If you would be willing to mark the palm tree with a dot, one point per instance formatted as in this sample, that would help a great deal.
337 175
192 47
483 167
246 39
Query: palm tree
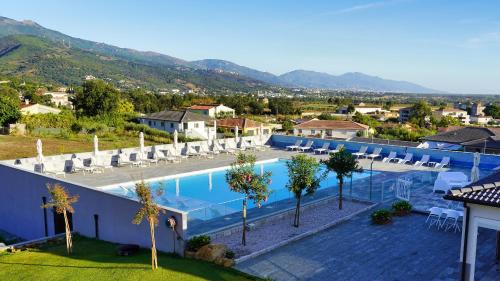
242 179
61 201
302 176
342 163
149 211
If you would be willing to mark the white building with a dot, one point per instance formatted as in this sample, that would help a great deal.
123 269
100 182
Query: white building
213 110
481 120
462 115
363 109
59 98
481 210
331 128
37 109
184 121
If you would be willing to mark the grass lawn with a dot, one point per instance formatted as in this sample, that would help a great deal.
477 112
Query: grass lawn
13 147
97 260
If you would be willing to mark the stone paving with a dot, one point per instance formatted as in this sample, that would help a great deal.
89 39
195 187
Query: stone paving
358 250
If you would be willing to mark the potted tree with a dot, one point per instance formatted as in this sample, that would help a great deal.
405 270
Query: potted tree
302 176
62 202
242 179
342 163
149 211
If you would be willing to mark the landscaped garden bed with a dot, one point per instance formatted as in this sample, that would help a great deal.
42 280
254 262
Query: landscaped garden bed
275 232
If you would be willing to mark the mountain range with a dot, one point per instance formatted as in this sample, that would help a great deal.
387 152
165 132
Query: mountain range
28 49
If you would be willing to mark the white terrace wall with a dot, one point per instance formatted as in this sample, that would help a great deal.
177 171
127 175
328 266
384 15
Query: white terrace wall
21 194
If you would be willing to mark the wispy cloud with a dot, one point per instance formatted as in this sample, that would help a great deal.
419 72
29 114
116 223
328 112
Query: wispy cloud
362 7
483 40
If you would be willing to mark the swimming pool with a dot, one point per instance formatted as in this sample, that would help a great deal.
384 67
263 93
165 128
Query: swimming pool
206 195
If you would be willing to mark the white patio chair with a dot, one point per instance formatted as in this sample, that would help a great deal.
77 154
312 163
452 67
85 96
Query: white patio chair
295 146
324 148
143 156
444 162
407 159
451 220
434 217
375 153
392 155
361 152
160 156
337 149
423 161
205 151
306 147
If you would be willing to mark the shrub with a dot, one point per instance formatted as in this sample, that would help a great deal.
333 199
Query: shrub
230 254
382 216
401 208
196 242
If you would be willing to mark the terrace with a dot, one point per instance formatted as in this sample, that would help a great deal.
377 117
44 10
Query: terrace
196 192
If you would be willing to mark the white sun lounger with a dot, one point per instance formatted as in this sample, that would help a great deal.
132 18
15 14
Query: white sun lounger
425 159
295 146
392 155
51 169
100 163
408 158
306 147
337 149
324 148
375 153
77 166
361 152
444 162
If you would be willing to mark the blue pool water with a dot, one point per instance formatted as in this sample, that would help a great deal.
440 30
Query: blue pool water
207 195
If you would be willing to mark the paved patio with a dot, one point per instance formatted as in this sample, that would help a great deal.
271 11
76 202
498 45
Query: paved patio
358 250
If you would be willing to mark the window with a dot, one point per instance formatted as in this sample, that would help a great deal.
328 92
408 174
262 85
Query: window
150 123
313 132
171 125
163 124
196 125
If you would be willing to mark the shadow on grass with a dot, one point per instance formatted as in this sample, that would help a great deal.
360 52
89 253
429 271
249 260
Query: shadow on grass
99 255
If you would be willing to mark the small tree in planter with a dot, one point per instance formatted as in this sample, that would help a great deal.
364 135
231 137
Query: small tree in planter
242 179
401 208
302 176
343 163
149 211
61 201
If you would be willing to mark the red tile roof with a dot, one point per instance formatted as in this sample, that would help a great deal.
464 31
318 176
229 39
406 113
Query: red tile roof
240 122
202 107
332 125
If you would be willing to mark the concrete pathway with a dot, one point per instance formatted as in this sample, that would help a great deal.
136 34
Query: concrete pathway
357 250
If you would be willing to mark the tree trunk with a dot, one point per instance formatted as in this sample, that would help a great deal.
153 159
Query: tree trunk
154 259
69 243
244 238
341 183
297 213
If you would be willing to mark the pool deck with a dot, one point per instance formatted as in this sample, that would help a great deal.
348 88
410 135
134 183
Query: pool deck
359 250
128 174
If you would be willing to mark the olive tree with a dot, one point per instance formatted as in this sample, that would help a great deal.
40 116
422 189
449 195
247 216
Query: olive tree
343 163
303 176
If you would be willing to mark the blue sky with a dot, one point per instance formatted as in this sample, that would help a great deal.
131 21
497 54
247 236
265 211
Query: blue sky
446 45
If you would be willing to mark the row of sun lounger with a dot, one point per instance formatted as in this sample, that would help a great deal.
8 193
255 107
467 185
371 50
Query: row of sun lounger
90 164
376 153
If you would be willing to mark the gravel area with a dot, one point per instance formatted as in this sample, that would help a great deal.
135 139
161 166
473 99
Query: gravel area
276 231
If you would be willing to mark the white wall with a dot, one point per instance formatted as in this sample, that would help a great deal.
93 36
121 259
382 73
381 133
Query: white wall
342 134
